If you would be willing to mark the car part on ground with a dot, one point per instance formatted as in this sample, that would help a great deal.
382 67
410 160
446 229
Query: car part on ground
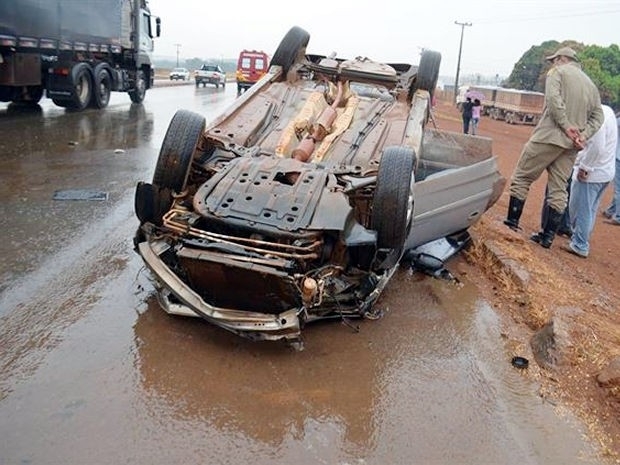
298 202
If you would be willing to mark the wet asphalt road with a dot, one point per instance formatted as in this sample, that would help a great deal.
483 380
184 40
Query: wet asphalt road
94 372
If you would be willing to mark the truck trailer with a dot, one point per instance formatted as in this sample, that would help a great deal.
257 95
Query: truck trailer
518 106
75 52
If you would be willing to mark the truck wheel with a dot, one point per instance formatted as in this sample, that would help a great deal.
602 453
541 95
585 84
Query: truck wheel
35 93
32 96
177 150
138 93
102 88
428 71
82 87
392 205
292 49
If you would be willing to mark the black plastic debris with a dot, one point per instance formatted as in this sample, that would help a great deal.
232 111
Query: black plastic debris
520 362
80 194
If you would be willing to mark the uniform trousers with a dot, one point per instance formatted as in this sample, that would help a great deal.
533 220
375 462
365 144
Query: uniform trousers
537 157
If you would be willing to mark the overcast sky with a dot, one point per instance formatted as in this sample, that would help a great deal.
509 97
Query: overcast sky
387 30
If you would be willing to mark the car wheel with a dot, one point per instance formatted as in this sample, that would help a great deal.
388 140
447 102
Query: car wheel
177 150
392 206
152 201
292 48
102 88
139 92
428 71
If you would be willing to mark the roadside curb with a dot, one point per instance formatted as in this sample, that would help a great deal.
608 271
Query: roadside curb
515 271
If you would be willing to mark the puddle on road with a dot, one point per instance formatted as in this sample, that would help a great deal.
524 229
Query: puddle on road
427 383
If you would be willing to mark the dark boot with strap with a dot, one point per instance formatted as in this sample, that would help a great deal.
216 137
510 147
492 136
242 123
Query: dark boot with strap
537 237
515 208
553 223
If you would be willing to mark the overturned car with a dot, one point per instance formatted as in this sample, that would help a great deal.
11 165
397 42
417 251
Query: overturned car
298 202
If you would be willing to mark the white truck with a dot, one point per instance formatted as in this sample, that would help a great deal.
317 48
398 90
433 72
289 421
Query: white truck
210 74
75 52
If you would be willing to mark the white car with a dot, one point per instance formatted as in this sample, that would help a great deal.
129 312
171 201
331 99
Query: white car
179 73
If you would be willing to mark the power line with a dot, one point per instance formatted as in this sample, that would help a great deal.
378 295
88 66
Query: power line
545 17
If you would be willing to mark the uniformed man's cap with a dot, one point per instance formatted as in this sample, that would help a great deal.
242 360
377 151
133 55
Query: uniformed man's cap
564 52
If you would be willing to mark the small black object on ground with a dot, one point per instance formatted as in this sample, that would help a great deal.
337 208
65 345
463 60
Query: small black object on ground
520 362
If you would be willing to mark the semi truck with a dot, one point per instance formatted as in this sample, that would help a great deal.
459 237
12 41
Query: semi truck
511 105
75 52
518 106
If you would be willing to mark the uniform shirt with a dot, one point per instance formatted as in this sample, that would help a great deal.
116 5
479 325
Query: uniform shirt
598 158
571 99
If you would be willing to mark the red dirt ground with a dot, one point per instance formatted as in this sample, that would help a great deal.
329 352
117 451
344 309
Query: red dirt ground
583 293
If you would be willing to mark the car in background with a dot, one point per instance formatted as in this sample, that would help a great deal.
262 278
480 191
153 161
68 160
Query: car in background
300 200
179 74
210 74
251 66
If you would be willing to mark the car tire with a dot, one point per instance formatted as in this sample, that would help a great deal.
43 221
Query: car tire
292 49
177 150
392 206
428 71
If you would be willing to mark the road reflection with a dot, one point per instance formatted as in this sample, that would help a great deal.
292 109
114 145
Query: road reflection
192 371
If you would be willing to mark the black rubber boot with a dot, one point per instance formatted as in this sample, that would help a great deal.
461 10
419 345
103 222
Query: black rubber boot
553 223
537 237
544 214
515 208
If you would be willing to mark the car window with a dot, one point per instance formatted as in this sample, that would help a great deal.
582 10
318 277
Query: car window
259 64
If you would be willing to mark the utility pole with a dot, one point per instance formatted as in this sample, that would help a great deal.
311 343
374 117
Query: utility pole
458 65
178 46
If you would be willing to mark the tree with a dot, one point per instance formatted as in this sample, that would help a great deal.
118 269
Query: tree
602 64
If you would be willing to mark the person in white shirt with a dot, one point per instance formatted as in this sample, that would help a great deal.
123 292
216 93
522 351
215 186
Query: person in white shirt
613 211
595 167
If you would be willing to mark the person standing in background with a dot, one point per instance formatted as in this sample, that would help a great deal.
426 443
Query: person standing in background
612 213
594 169
467 114
572 114
475 116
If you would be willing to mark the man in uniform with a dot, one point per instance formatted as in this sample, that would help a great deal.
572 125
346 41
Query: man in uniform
572 115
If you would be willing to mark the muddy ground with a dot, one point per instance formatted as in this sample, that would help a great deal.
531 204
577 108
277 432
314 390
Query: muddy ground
582 296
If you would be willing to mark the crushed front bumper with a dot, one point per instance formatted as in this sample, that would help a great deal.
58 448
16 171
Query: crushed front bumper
178 298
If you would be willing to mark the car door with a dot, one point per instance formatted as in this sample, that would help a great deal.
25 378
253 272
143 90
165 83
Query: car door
456 180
